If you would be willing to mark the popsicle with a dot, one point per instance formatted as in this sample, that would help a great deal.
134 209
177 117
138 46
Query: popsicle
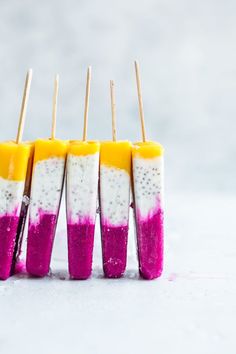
147 166
45 198
115 168
14 162
81 198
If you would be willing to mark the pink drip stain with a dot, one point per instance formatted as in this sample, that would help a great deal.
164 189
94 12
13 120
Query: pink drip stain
114 249
80 249
172 277
150 235
8 230
40 244
20 267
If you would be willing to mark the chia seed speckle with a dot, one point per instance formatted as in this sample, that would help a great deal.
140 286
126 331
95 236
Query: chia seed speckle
47 183
148 183
114 195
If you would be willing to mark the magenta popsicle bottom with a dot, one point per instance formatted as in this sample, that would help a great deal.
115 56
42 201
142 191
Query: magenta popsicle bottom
39 245
114 250
8 229
150 245
80 250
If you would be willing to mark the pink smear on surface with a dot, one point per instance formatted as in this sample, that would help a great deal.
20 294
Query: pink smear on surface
114 250
8 229
20 267
150 236
80 249
172 276
40 244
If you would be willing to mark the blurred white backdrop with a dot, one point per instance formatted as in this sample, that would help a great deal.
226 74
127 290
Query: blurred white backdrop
187 53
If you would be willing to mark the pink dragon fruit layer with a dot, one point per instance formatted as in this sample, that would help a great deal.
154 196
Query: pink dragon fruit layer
40 243
114 249
80 248
8 230
150 235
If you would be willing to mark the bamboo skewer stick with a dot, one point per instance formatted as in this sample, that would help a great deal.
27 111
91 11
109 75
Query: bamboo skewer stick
54 107
140 100
113 109
86 103
24 106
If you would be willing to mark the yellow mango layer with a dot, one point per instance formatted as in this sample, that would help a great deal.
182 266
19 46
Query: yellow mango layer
14 160
147 150
47 148
83 148
116 154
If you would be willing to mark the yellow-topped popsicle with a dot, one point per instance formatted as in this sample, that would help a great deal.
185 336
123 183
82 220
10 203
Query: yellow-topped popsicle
147 168
114 196
46 190
148 190
115 167
81 198
14 160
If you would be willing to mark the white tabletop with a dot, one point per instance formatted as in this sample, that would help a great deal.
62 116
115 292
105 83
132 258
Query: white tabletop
190 309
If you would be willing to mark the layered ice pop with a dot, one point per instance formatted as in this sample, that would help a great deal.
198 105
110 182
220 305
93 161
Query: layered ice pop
115 166
147 161
81 199
13 168
46 191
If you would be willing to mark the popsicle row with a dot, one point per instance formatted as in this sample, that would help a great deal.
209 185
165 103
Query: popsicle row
35 172
32 174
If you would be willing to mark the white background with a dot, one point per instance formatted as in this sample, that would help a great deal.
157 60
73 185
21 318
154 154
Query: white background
187 54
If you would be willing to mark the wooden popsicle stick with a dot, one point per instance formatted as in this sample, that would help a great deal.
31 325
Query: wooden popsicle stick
54 107
140 100
113 109
86 103
21 123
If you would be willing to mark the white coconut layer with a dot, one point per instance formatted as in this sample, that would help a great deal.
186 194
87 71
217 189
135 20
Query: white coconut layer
114 195
11 194
46 188
82 187
148 184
